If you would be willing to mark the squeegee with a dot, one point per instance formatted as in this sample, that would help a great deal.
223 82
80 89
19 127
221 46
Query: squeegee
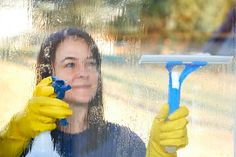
191 63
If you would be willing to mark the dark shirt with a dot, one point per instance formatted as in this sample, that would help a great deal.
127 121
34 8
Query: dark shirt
120 142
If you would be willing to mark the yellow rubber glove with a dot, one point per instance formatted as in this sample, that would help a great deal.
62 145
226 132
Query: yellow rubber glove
40 115
165 133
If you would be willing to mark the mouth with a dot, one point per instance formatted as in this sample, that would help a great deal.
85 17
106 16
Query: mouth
82 86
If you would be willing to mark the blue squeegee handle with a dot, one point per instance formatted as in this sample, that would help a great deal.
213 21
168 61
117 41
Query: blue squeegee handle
60 88
174 92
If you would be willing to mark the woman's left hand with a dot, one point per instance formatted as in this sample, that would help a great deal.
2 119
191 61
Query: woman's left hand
168 131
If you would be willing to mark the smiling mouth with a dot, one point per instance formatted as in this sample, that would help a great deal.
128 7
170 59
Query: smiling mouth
82 86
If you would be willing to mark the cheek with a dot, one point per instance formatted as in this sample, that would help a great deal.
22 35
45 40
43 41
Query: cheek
63 76
95 80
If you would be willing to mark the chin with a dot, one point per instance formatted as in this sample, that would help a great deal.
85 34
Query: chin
78 100
75 97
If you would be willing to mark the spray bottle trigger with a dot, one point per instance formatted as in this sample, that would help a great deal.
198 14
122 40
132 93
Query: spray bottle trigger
60 88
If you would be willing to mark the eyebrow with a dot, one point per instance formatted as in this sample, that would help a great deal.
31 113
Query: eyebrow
68 58
90 57
74 58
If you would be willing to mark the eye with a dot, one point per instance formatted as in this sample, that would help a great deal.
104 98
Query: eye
70 65
92 63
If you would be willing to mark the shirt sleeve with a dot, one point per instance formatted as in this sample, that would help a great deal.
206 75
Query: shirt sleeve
138 148
129 144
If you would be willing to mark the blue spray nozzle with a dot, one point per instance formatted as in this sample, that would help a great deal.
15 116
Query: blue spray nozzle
60 87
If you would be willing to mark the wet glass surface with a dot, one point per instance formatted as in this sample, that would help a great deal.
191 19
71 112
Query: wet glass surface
125 30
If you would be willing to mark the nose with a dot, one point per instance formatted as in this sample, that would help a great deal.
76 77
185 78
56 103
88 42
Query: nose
82 72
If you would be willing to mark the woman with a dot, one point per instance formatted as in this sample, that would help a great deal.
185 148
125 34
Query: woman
72 55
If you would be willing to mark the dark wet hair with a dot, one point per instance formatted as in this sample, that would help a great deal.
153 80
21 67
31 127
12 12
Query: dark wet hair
45 61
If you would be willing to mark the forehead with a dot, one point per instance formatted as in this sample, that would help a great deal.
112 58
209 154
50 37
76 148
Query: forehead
73 47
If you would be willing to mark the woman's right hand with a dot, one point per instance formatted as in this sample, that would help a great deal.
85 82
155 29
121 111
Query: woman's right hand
40 114
42 111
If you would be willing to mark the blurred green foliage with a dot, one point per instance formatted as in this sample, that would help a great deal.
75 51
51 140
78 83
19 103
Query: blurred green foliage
132 17
126 20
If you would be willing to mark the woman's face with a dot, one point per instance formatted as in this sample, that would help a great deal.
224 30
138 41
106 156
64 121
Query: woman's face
75 65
